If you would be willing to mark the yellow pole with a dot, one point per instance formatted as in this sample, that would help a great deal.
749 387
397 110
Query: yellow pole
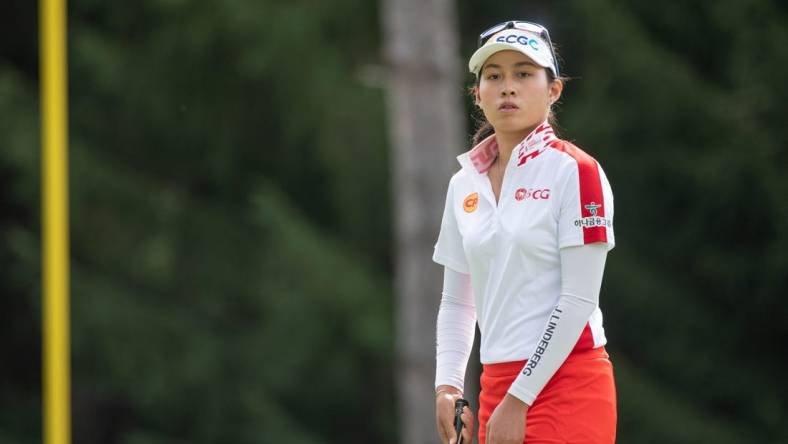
54 136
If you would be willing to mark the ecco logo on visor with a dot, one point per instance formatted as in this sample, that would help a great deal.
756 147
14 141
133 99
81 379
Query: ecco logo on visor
524 193
521 39
471 202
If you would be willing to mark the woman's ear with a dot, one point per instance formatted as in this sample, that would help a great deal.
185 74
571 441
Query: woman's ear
476 99
556 88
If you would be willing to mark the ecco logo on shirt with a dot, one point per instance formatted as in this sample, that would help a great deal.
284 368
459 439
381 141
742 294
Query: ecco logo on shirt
524 193
471 202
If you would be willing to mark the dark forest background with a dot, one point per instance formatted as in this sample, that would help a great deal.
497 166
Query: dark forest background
231 216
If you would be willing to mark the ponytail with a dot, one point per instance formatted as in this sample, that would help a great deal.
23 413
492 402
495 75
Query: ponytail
483 132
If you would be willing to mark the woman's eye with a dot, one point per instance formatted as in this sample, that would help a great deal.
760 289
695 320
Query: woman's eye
524 74
492 77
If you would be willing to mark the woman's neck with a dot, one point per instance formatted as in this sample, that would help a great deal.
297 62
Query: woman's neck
508 140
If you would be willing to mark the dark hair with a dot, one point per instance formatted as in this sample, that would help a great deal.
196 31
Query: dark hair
484 129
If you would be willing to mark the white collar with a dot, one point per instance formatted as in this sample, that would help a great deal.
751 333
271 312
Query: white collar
481 157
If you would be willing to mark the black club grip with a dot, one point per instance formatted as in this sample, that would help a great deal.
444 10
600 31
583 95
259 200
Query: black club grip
458 406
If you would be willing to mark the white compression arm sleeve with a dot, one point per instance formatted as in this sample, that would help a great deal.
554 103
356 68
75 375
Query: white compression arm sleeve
456 328
581 278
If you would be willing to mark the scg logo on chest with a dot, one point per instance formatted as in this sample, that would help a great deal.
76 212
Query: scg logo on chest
535 194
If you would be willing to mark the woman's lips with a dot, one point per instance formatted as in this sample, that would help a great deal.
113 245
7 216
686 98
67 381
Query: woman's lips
508 107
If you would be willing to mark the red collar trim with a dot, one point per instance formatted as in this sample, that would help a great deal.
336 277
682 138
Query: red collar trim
483 155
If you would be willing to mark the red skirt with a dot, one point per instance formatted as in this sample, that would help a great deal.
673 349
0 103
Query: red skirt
577 406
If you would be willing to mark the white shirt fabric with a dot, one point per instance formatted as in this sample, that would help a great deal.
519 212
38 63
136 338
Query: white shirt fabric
553 196
581 277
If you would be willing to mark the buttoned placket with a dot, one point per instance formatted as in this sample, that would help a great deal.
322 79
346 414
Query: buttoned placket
507 171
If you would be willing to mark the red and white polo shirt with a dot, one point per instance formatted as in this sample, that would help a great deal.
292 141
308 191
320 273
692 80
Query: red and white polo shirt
554 195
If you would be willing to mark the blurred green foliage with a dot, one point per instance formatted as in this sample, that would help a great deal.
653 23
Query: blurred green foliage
231 227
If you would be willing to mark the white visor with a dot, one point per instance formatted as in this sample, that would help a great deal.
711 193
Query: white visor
528 43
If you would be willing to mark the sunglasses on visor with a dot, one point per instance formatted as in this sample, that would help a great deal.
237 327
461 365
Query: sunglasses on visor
525 26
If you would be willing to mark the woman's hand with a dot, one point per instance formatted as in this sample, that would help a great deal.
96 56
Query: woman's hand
507 423
444 415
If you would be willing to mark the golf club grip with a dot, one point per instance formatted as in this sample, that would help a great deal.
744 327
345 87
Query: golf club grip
458 406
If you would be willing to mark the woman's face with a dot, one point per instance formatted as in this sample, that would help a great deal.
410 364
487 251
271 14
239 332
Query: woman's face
515 93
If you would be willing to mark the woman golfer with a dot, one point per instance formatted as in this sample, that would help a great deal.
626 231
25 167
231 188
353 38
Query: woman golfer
525 232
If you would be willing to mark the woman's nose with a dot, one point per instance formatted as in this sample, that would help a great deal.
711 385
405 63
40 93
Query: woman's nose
508 89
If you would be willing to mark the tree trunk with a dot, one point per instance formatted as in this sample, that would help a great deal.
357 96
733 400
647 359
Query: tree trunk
427 131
